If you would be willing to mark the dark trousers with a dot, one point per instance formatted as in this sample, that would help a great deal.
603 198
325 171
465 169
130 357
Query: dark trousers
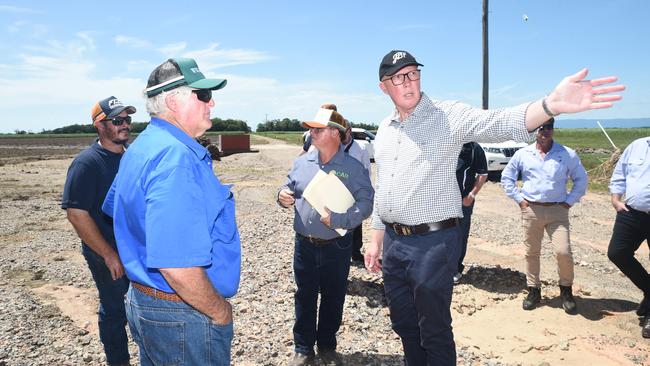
111 313
357 242
464 224
630 230
418 279
324 269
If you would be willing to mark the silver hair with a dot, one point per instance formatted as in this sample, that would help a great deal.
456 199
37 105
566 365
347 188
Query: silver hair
156 105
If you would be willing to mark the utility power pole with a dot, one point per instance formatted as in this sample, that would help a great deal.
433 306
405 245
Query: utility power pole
486 69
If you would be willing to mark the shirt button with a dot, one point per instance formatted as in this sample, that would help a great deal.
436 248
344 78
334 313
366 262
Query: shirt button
395 158
310 221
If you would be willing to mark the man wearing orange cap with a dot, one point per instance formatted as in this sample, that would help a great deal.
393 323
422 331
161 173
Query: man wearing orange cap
89 178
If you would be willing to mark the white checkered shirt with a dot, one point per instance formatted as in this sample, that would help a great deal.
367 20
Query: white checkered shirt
416 159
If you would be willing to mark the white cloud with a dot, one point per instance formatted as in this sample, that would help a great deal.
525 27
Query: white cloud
131 42
16 9
212 57
172 49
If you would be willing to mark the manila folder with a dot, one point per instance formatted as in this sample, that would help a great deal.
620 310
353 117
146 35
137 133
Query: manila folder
327 190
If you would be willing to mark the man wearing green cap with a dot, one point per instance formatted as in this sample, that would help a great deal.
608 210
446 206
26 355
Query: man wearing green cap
175 226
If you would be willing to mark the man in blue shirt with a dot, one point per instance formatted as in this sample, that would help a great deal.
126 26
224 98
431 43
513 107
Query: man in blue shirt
631 178
321 259
545 169
89 178
175 226
471 173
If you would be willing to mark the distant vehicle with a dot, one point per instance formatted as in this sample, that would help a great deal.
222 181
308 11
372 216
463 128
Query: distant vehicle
498 155
362 136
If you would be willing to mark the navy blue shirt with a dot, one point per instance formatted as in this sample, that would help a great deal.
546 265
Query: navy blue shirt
471 161
89 178
171 211
355 178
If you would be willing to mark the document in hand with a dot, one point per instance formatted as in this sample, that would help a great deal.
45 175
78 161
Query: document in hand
327 190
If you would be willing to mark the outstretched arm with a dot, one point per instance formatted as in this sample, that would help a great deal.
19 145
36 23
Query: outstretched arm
572 95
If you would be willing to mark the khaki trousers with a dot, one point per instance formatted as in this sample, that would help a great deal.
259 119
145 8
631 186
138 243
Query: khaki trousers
555 221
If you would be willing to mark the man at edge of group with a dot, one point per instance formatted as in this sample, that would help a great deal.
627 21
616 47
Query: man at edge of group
321 260
89 178
545 169
175 226
417 201
631 178
471 173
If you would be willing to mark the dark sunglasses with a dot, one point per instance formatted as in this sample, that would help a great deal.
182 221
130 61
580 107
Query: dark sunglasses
545 127
204 95
117 121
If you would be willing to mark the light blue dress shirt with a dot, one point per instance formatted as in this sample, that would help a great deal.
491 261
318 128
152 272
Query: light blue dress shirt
351 173
170 211
545 179
632 175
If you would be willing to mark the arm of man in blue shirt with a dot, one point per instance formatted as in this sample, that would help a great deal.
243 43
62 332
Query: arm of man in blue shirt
579 178
509 180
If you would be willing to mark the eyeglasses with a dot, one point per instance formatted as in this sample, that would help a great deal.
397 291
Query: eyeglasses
117 121
204 95
545 127
398 79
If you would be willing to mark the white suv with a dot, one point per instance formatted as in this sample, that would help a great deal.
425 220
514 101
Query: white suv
498 155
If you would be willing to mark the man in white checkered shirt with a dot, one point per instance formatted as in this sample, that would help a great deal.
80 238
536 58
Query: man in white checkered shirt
417 201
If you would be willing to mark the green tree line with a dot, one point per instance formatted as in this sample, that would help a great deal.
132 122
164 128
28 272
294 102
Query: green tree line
287 124
218 124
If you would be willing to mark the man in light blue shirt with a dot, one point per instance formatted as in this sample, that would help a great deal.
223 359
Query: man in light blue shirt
545 169
175 226
631 178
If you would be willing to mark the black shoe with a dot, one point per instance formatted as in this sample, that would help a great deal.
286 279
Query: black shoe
568 302
645 327
644 306
301 359
330 357
533 298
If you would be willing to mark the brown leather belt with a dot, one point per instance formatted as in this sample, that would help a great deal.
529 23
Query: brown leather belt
317 241
543 203
155 293
406 230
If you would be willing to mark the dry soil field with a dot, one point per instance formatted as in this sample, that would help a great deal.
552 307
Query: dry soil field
47 307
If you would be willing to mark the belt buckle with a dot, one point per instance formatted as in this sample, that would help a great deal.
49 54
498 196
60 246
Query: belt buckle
402 229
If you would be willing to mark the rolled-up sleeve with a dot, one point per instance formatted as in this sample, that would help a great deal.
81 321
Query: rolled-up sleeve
363 194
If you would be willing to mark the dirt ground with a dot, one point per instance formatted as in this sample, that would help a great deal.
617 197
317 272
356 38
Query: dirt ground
40 259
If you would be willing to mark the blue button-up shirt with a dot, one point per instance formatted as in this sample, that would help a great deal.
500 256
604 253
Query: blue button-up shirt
355 178
545 179
632 175
170 211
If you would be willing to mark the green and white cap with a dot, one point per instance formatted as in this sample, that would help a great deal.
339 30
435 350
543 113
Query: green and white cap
177 72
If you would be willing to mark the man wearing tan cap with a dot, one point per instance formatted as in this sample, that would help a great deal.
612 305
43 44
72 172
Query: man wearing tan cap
89 178
321 259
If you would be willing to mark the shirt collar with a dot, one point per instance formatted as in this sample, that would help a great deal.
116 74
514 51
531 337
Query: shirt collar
424 104
181 136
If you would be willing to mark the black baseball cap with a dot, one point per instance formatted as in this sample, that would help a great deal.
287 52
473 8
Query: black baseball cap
394 61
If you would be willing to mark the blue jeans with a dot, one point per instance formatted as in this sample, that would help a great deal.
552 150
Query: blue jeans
321 269
418 280
465 224
111 313
173 333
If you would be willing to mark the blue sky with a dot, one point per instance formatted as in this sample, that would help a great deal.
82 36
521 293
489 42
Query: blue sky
285 58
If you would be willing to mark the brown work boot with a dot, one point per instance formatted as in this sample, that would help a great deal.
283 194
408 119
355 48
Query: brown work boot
533 298
330 357
301 359
568 302
645 327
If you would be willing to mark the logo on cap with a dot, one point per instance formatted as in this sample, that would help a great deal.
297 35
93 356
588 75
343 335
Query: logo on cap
114 103
398 56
